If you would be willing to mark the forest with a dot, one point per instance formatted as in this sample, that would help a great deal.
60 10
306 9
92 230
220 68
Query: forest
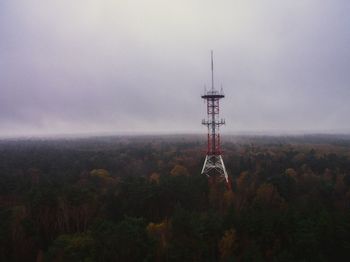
142 198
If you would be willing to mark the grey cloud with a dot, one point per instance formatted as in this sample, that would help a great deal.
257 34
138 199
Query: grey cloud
77 66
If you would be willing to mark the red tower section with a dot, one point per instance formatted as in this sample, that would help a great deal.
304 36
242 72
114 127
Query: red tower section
212 122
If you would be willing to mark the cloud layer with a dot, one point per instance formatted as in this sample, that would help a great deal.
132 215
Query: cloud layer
140 66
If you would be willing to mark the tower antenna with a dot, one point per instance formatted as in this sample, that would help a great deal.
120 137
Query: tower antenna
212 71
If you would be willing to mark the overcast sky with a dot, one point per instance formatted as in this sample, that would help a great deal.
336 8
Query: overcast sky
88 66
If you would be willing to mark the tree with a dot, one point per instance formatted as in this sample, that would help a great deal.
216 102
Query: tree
160 232
126 241
228 244
179 170
77 247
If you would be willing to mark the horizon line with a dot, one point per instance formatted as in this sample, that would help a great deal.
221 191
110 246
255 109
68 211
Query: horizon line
271 133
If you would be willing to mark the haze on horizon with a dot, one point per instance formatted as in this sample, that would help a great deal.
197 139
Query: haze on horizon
106 66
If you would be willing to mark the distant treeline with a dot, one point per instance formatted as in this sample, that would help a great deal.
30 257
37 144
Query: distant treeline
143 199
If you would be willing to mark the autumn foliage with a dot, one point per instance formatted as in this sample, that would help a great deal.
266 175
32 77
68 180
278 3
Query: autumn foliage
143 199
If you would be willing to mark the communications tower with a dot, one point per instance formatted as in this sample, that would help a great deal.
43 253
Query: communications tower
213 164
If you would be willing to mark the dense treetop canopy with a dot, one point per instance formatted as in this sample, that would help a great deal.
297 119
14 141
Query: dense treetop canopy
143 199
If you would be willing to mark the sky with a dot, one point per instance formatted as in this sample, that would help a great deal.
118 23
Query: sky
140 66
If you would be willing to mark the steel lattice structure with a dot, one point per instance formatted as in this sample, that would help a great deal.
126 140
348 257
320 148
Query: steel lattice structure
213 164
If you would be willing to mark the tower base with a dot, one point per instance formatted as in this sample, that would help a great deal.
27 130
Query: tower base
214 165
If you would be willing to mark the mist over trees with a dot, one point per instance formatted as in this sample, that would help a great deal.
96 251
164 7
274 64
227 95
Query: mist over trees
143 199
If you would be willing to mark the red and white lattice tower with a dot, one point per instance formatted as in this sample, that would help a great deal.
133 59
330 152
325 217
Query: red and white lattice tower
213 164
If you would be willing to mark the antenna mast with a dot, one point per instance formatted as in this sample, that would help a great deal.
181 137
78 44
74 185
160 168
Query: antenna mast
212 72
